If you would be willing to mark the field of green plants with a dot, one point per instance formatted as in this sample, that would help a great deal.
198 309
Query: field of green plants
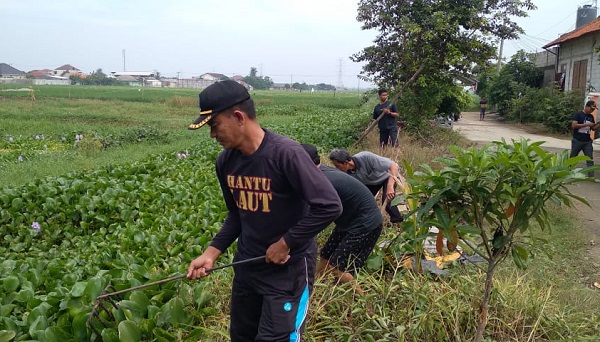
106 186
125 218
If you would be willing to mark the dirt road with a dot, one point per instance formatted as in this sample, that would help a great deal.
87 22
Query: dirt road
589 217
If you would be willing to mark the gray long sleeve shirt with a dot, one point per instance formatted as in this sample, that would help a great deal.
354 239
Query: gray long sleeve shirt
371 169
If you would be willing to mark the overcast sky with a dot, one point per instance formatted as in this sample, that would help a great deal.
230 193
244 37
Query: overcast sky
289 40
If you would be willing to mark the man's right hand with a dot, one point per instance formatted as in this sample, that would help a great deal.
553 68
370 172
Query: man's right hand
198 266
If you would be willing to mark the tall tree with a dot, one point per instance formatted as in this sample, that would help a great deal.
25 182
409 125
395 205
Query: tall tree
258 82
517 77
430 40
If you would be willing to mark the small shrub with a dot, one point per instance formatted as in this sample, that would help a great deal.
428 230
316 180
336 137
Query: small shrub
145 134
182 102
90 144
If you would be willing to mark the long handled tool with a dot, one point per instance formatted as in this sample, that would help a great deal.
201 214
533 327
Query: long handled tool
105 296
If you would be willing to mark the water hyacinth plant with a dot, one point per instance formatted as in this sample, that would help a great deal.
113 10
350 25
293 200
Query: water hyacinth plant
183 155
36 226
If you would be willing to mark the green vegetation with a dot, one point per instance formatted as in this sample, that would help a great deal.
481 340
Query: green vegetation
486 195
421 47
137 199
120 124
516 94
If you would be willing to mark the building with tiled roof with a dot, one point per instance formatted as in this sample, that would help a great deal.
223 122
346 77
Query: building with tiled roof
8 72
40 73
66 71
576 56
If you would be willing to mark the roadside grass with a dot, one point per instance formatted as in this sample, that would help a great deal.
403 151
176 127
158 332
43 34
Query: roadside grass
545 302
551 300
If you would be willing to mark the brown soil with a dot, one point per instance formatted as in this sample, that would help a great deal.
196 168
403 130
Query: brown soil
480 132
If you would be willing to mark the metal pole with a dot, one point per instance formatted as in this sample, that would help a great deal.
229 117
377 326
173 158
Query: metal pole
106 295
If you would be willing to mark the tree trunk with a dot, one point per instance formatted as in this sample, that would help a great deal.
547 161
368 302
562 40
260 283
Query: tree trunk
483 310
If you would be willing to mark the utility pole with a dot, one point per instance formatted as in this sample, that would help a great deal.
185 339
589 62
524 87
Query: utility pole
123 60
500 54
340 85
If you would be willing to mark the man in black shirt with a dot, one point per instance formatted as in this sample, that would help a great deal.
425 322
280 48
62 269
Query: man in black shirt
277 203
582 124
482 107
356 230
388 125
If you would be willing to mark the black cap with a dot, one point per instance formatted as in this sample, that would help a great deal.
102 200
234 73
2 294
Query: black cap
216 98
313 153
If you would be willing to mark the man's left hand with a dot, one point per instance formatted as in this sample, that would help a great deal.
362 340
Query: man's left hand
391 194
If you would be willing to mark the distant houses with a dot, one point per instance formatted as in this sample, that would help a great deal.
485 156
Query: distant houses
62 76
7 72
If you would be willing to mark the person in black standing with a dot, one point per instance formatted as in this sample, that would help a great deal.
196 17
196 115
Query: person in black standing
356 229
583 124
482 108
388 125
277 203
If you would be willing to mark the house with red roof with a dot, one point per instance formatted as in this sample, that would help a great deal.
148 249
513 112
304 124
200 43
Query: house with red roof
66 70
576 55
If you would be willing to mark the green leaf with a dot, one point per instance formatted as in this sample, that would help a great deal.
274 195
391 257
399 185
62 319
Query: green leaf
7 335
176 311
56 334
5 310
129 332
9 324
136 309
25 295
11 284
40 324
520 262
140 298
110 335
466 229
80 329
523 254
93 287
17 204
158 332
78 289
39 311
146 325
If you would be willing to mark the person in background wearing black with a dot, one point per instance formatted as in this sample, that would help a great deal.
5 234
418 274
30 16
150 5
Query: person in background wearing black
583 124
277 203
482 107
388 124
356 230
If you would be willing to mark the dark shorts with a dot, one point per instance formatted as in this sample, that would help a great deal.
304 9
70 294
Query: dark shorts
388 136
348 252
270 302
